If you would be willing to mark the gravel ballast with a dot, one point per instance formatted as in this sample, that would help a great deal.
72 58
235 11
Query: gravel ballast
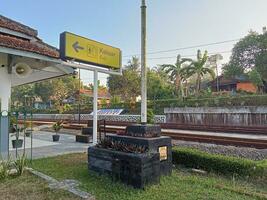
240 152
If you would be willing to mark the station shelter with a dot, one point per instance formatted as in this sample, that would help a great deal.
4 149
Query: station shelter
24 58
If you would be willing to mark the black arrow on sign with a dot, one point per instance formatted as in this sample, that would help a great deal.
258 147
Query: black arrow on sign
76 47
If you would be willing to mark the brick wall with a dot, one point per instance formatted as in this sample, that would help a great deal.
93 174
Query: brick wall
248 87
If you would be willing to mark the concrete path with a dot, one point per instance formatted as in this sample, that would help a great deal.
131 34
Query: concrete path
43 146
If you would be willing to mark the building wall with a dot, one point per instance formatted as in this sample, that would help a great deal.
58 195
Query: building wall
248 87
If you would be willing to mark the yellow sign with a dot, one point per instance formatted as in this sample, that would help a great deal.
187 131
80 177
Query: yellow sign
163 153
89 51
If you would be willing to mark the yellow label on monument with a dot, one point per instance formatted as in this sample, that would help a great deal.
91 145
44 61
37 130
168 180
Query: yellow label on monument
89 51
163 153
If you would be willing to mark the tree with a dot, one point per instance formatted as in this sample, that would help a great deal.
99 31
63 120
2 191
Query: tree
57 89
19 94
116 85
230 71
158 86
99 86
248 54
176 72
115 101
44 90
261 65
128 86
199 68
246 50
132 85
255 78
72 85
60 92
133 64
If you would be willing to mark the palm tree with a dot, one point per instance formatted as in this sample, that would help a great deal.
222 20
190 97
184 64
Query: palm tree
176 72
199 68
133 64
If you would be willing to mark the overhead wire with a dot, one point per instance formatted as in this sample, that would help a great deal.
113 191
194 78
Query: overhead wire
185 48
191 55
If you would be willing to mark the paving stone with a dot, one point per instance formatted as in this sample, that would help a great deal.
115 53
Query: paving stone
69 185
43 146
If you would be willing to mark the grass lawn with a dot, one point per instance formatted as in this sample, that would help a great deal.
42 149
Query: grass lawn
29 187
180 185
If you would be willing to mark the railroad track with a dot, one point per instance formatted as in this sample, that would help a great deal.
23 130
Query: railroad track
217 128
212 128
242 142
114 127
214 139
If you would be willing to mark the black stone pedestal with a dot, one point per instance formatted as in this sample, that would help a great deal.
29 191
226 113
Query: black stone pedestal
132 169
121 158
154 145
143 130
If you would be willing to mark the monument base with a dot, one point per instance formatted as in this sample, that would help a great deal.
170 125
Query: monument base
137 158
137 170
161 145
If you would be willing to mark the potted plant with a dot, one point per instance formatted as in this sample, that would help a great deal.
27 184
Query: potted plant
12 122
17 143
57 127
28 129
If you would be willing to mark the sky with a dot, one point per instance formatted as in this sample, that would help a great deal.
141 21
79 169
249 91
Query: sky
171 24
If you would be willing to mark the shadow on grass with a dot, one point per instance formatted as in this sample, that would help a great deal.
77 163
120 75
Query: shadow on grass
180 185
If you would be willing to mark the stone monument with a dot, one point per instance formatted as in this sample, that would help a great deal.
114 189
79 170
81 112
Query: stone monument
138 157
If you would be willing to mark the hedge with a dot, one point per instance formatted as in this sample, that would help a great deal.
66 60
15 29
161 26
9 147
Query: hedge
220 164
158 105
247 100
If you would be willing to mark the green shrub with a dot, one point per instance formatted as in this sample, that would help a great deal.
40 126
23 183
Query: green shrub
150 116
223 101
219 164
4 168
159 105
20 164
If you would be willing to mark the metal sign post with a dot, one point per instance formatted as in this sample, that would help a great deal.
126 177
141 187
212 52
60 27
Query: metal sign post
31 117
95 107
83 53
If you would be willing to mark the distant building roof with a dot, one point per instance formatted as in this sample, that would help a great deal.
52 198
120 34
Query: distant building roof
229 81
102 93
18 36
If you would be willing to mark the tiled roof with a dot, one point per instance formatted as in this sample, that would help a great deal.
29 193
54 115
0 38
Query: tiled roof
34 45
229 81
102 93
26 45
16 26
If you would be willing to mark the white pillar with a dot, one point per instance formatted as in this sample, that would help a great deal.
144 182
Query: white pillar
5 83
95 107
143 64
5 94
